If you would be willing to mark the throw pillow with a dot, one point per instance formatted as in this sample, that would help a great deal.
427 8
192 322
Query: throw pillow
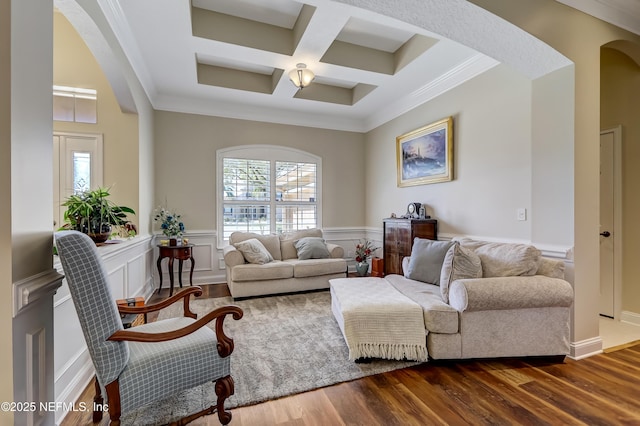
459 263
312 248
289 239
426 261
254 251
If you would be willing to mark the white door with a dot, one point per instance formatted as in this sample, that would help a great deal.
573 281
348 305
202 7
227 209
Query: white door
77 167
609 211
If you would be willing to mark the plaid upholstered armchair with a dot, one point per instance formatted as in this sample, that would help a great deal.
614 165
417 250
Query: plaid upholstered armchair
152 361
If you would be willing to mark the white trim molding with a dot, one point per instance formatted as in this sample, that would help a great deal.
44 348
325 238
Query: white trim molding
585 348
630 317
34 288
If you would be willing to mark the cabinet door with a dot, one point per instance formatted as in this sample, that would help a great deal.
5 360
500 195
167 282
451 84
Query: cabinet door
405 242
425 230
397 243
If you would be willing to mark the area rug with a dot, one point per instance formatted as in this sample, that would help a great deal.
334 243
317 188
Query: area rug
283 345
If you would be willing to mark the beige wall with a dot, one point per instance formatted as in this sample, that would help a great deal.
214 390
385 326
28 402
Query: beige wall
185 162
492 160
75 66
620 90
6 354
579 37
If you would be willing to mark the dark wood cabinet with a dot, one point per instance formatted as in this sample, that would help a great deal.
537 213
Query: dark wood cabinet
398 239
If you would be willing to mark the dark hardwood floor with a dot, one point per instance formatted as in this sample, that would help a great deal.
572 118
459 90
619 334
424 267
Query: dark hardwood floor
600 390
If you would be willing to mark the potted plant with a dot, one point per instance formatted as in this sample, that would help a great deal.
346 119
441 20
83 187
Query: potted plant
94 214
364 250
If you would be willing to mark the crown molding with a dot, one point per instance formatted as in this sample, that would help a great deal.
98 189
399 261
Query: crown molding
467 70
623 14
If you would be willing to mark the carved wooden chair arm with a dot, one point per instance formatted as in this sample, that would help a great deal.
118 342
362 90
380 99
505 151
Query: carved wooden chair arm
225 343
184 293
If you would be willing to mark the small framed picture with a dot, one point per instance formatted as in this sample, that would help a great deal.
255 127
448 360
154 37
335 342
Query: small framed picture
425 155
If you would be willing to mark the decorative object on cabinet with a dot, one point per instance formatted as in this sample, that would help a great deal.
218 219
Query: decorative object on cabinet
425 155
398 239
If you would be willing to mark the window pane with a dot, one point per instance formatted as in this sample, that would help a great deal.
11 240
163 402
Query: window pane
295 181
63 108
246 218
293 217
81 172
86 110
246 179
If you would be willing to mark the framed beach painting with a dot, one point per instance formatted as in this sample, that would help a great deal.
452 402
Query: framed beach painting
425 155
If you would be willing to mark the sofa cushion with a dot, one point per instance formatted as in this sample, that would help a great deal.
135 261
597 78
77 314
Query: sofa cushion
311 248
426 261
288 240
317 267
505 259
551 268
459 262
276 270
270 241
254 251
439 317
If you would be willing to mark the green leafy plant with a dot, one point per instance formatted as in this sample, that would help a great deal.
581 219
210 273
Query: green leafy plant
93 213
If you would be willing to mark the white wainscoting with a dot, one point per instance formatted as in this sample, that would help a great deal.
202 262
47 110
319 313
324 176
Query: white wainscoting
129 267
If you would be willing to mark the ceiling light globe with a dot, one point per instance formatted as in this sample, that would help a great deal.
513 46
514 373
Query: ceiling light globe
301 76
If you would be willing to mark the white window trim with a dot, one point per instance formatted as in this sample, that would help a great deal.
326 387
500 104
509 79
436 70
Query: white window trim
263 152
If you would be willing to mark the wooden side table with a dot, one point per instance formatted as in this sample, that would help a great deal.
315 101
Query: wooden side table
181 253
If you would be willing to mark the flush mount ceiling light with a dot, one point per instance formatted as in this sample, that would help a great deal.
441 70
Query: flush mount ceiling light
301 77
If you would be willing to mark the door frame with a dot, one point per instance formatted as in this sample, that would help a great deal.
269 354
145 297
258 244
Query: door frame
617 218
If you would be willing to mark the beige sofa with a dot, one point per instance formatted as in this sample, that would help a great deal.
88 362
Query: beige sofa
519 306
286 272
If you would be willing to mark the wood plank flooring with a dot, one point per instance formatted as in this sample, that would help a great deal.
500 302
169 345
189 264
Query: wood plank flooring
600 390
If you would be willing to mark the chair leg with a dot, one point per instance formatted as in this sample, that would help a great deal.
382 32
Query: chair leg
224 389
98 401
113 395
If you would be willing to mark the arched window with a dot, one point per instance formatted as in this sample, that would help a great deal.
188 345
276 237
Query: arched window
267 189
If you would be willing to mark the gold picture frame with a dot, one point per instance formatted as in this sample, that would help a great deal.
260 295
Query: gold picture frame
425 155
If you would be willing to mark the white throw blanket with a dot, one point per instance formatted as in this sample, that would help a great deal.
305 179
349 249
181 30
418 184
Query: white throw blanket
378 321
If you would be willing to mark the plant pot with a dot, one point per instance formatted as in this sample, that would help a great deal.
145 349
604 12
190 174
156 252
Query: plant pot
362 268
99 237
99 234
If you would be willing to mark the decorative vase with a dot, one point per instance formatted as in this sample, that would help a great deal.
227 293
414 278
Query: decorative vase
362 268
173 241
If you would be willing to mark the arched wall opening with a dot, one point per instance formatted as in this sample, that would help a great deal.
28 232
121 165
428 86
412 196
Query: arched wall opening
619 94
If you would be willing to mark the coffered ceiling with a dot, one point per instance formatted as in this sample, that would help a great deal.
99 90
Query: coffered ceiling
231 58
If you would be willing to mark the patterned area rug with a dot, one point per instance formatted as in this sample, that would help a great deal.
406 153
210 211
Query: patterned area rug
283 345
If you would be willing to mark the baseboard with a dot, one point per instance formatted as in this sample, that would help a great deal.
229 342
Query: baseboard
585 348
630 317
83 371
